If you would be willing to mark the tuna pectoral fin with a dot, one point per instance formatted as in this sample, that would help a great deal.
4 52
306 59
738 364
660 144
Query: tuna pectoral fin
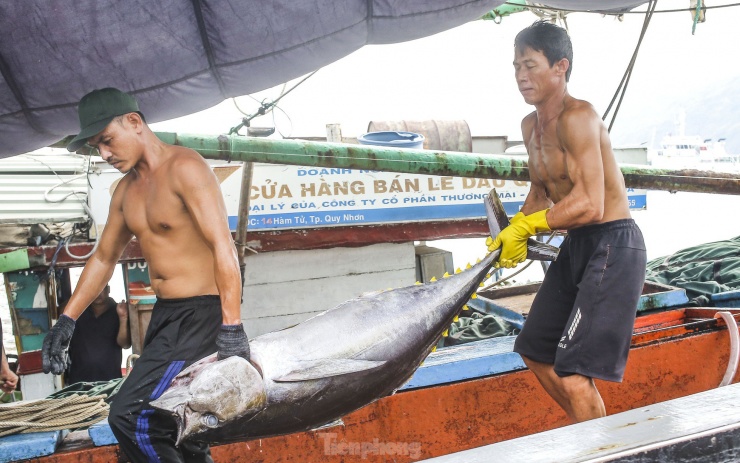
318 369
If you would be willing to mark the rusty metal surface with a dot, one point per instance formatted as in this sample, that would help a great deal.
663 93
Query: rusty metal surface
296 152
698 181
431 162
41 256
302 239
701 428
676 323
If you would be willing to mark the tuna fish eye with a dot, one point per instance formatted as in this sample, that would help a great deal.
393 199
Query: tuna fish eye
210 420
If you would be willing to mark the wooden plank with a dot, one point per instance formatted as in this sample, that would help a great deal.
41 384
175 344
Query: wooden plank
101 434
300 239
698 428
318 294
659 296
31 445
473 360
519 297
285 288
291 266
520 303
729 299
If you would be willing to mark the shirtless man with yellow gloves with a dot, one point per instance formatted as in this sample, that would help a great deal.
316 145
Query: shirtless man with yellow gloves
170 200
580 324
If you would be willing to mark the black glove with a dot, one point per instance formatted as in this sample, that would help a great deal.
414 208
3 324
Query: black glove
231 341
54 349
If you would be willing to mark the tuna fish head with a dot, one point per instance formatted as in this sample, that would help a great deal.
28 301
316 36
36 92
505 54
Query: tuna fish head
221 392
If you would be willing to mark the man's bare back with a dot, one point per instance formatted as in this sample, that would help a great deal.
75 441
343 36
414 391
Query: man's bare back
180 262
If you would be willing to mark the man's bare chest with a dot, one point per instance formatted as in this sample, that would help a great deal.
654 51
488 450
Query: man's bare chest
547 160
152 208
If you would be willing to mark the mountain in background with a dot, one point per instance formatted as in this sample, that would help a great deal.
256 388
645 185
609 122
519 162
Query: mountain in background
712 111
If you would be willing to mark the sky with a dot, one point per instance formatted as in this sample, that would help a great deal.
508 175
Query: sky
466 73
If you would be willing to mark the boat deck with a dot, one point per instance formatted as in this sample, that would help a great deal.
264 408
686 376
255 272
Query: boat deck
674 354
703 427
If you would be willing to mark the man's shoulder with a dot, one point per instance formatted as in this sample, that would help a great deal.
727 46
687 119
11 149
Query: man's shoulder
183 160
528 121
530 118
124 182
184 163
578 109
186 169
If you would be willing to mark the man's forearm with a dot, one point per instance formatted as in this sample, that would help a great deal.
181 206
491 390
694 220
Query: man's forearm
536 199
575 211
228 280
124 333
4 365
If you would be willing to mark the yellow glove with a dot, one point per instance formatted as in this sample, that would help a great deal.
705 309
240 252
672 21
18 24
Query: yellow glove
514 237
517 216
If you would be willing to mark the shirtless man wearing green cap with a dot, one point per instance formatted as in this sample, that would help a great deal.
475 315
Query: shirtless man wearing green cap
170 200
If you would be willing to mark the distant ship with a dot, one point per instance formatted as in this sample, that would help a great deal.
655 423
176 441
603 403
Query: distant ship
692 152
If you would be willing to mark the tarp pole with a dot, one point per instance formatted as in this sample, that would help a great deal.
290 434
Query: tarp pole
243 219
430 162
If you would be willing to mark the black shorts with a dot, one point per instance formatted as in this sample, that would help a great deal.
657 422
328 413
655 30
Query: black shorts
582 318
181 332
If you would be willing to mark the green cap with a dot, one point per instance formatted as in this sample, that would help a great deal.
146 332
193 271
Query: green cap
97 109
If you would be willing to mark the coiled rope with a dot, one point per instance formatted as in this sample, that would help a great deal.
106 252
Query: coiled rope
76 411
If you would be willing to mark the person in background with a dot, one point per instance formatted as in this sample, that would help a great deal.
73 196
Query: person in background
8 379
99 335
580 324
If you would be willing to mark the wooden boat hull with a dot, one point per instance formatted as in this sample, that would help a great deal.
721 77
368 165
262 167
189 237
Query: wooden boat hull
674 354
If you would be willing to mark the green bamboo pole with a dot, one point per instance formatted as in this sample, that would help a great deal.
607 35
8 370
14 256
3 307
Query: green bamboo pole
493 166
347 156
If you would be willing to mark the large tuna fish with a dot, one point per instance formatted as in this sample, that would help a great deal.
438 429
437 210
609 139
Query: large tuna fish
330 365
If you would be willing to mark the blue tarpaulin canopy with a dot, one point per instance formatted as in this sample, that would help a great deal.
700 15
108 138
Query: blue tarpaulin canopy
182 56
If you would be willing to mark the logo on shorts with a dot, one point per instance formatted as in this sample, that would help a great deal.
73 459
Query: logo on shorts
574 324
561 344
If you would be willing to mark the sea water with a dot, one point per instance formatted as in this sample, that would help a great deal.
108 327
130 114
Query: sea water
672 221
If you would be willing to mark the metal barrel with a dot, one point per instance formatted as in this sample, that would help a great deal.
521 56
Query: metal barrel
438 135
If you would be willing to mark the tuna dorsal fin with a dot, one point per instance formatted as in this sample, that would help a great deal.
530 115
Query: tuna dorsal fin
325 368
